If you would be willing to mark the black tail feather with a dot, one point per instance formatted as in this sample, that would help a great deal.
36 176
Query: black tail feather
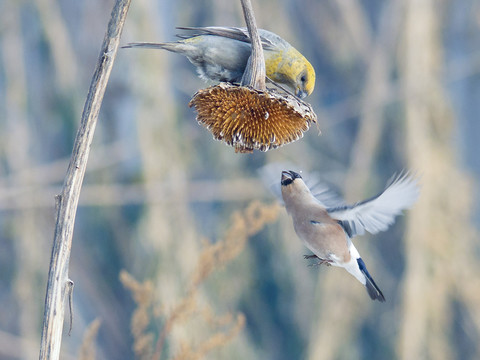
373 290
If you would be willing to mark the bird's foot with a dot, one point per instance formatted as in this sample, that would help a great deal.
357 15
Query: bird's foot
320 262
324 262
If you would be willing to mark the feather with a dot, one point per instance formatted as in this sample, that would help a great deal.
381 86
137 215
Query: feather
373 290
235 33
378 213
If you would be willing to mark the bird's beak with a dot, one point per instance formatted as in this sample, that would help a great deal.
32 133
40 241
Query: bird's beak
288 177
301 94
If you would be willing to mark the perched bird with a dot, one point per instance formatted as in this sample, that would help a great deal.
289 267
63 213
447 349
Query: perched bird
327 230
221 54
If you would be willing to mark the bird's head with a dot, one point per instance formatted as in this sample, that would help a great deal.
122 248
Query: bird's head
305 79
291 68
288 177
294 189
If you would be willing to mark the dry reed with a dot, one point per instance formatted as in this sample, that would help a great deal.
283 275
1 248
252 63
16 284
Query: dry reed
214 256
87 349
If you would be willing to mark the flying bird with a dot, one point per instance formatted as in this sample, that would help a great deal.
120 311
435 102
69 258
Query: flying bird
326 225
221 54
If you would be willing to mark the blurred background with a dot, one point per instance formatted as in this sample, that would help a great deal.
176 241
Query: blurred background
397 87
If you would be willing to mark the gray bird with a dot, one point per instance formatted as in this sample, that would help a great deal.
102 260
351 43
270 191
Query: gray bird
327 230
221 54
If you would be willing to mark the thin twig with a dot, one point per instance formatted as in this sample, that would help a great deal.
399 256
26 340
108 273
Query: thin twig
70 286
57 288
254 74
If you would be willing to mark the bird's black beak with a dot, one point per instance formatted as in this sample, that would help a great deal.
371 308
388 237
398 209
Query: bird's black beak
289 176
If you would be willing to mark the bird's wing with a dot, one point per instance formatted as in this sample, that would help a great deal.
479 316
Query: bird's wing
270 175
378 213
235 33
323 192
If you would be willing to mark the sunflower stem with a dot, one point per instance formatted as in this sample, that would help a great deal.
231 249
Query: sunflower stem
254 74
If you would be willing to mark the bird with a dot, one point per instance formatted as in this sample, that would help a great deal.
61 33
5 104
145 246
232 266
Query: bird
326 224
221 54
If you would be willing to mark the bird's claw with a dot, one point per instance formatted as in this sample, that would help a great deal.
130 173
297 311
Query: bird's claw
320 262
323 262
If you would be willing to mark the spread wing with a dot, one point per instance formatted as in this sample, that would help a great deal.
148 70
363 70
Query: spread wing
236 33
323 192
270 175
378 213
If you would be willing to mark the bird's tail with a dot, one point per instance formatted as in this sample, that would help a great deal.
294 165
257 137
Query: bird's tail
173 46
373 290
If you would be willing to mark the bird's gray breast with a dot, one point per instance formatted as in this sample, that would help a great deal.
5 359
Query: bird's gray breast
221 59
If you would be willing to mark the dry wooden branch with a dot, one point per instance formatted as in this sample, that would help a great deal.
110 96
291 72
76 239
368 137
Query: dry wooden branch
254 74
57 288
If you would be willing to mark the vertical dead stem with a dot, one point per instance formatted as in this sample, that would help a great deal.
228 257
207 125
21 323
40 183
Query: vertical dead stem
68 200
254 74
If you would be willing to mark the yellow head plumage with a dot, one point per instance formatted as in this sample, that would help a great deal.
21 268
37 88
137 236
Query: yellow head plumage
290 67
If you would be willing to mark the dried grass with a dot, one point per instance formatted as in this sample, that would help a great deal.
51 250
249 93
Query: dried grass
219 329
216 340
143 297
87 349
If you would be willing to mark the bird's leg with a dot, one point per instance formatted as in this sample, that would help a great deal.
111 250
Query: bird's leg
320 262
324 262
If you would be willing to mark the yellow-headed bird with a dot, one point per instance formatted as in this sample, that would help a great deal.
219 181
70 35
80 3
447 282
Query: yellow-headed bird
221 54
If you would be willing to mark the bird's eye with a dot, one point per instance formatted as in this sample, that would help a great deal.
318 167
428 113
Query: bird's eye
303 78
